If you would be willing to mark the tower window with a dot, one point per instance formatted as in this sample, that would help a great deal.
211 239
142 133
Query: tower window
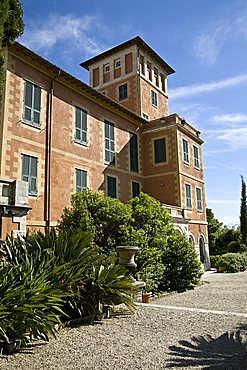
156 76
188 196
123 92
149 69
154 98
186 151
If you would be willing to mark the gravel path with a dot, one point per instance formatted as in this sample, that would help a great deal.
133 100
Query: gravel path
155 337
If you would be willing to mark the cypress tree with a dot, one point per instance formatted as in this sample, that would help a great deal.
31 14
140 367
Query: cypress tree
243 212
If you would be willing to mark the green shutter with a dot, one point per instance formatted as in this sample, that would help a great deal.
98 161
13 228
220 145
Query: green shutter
160 150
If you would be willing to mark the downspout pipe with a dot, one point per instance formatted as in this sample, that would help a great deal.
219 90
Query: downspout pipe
49 144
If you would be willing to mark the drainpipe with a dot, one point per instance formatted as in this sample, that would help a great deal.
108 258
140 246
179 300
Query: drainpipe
138 83
48 154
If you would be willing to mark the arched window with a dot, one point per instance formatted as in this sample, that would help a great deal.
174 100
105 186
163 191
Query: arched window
202 249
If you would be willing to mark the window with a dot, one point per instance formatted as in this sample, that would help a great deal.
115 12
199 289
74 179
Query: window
199 199
142 64
188 196
81 180
186 151
135 189
109 143
133 152
106 68
30 173
160 150
163 82
80 125
111 186
154 98
149 69
117 63
32 104
196 157
156 76
123 92
145 116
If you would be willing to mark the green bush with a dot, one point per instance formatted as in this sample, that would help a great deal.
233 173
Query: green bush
143 222
233 262
233 247
182 268
214 260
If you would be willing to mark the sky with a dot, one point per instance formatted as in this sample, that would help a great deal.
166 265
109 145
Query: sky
205 41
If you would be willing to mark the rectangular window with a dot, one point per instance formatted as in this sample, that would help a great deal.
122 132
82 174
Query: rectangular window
188 196
156 76
135 189
111 186
106 68
163 82
154 98
133 152
149 70
196 157
145 116
186 151
30 173
199 199
109 143
117 63
81 180
123 92
142 68
80 125
160 150
32 104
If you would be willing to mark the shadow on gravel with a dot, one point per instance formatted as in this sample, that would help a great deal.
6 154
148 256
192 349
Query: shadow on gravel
227 352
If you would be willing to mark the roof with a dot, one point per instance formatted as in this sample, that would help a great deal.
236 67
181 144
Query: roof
52 70
135 41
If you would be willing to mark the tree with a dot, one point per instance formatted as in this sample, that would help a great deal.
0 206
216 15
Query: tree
214 230
243 212
143 222
11 27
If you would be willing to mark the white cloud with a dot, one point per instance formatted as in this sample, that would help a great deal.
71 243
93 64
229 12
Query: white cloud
196 89
68 31
234 139
208 45
231 118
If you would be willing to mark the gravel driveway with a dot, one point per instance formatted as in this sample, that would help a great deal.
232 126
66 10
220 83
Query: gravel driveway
205 328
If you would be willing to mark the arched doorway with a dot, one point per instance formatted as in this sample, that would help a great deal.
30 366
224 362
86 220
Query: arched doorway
202 249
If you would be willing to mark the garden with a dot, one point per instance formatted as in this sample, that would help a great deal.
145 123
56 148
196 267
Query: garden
73 273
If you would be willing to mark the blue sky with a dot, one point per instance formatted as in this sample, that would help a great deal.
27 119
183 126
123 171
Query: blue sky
205 41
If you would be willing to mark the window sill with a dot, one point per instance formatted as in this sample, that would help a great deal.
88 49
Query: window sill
81 143
187 163
30 124
155 106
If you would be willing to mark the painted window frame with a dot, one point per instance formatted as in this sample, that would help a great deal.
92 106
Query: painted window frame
199 199
155 148
110 143
123 92
31 107
83 131
188 196
186 156
111 177
134 152
80 187
132 188
196 157
29 176
154 98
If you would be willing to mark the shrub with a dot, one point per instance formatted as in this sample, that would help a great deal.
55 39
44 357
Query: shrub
233 262
182 268
214 260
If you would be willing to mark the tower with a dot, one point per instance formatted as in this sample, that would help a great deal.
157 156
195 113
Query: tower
133 75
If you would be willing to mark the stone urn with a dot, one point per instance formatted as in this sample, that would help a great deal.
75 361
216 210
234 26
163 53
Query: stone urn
127 256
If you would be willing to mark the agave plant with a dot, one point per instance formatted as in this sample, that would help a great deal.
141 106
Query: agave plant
108 285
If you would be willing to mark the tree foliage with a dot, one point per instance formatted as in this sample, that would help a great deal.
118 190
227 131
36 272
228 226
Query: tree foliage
143 222
11 27
243 212
214 230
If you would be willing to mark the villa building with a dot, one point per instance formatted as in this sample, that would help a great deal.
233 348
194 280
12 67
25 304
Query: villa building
59 136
